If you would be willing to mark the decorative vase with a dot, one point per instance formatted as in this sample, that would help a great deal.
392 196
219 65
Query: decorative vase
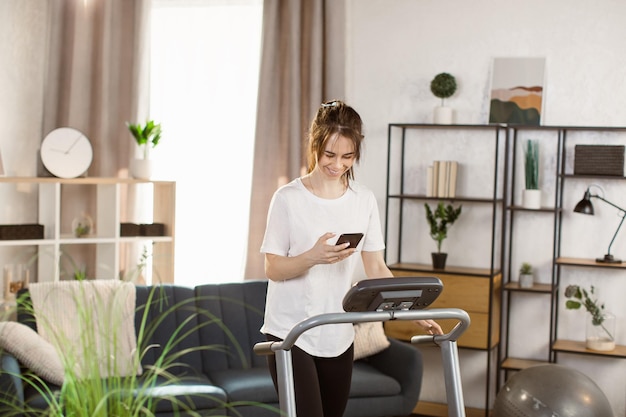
601 337
443 115
82 225
531 199
526 280
141 169
439 260
16 277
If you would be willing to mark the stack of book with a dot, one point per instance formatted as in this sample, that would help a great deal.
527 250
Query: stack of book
441 179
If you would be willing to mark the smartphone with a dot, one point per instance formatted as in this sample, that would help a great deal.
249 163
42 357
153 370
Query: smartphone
353 238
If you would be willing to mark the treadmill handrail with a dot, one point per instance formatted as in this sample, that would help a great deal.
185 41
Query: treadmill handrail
264 348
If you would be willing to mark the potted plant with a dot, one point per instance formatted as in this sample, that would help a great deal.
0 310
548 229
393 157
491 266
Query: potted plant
531 195
443 86
526 275
600 328
439 221
147 136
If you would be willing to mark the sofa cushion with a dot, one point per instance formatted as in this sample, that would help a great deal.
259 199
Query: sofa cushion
78 317
195 393
32 350
169 328
231 316
369 339
253 384
368 381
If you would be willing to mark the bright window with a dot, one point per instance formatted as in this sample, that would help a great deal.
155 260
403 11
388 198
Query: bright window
204 79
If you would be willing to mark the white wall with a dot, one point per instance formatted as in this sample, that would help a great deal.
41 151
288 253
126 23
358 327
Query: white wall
22 34
22 65
395 48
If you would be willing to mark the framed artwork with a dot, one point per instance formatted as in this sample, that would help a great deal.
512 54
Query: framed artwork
517 91
2 173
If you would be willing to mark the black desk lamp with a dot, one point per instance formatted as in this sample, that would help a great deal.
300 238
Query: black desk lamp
584 206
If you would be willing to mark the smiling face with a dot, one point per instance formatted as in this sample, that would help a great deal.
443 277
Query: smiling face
337 158
335 140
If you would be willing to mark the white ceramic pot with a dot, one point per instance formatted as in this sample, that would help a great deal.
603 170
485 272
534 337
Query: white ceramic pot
531 199
443 115
141 169
526 280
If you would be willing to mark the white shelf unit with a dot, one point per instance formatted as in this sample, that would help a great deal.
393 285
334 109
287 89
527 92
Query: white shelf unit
104 254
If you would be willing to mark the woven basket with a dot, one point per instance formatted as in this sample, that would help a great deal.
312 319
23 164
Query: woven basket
599 160
153 229
21 231
130 229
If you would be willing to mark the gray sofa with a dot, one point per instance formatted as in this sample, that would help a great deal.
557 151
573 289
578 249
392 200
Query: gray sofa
230 379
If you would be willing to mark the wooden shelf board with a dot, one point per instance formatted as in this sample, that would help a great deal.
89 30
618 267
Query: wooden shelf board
517 364
574 346
536 288
541 209
27 242
594 176
452 199
588 263
449 270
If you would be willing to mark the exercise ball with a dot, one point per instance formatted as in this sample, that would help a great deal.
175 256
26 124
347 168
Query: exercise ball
551 391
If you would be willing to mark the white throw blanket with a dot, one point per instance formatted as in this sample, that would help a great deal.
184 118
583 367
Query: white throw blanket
91 323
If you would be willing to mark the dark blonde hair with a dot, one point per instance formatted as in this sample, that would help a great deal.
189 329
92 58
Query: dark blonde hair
334 117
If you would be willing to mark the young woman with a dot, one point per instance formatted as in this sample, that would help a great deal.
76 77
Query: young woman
308 273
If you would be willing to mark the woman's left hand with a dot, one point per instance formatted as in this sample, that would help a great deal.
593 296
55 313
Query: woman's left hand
431 326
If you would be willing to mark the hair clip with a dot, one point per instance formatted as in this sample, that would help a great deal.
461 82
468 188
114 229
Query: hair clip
331 104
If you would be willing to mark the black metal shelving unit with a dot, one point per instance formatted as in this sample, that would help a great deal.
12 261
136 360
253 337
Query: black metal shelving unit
397 192
551 290
505 211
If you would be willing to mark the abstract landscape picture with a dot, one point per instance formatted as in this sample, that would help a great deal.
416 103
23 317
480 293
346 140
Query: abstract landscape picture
517 91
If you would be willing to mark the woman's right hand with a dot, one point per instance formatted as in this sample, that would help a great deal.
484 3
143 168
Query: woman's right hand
279 268
323 253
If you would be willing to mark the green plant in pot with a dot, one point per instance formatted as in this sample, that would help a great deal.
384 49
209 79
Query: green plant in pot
531 195
600 327
526 275
439 220
443 86
147 136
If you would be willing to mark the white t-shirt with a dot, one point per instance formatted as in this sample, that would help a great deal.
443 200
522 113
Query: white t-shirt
296 220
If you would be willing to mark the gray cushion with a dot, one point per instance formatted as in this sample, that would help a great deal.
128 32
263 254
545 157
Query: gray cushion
367 381
253 384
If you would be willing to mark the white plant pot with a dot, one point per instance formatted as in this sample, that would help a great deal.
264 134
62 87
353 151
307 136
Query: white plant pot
443 115
141 169
531 199
526 280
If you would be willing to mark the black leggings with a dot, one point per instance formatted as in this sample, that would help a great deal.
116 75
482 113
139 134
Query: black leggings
321 385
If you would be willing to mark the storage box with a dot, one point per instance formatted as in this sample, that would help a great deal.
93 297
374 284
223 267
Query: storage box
599 160
153 229
129 229
21 231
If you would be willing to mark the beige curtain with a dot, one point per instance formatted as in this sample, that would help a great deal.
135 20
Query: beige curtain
96 76
290 91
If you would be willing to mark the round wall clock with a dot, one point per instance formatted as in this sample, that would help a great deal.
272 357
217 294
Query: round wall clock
66 152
